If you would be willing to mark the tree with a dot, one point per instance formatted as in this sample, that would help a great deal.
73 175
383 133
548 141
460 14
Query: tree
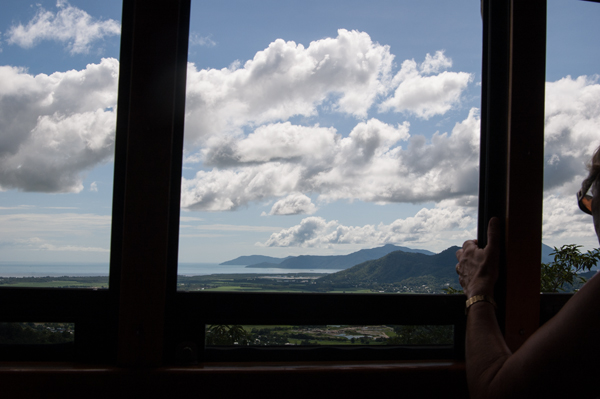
221 334
422 335
451 290
563 272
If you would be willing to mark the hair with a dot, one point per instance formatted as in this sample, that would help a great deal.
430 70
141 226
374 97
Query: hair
594 171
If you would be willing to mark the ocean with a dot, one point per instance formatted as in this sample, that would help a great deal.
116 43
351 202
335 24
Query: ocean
35 269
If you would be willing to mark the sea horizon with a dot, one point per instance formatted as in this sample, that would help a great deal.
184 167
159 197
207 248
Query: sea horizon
81 269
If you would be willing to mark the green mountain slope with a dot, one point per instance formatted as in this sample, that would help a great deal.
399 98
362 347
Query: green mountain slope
397 267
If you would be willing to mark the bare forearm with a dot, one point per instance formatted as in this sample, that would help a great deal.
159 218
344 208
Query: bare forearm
486 350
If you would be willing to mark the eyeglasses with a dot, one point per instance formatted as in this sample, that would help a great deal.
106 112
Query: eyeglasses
585 202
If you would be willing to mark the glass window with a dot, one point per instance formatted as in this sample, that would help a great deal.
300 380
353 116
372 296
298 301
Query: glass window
572 121
315 335
36 333
95 315
58 96
321 134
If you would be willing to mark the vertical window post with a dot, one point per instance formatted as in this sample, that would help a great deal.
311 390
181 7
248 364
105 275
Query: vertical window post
512 150
525 169
150 127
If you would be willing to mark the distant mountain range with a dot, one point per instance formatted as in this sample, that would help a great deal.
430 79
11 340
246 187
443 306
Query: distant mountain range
546 251
339 261
322 262
252 260
390 268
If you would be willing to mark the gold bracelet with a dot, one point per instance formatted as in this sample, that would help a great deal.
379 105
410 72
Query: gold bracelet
479 298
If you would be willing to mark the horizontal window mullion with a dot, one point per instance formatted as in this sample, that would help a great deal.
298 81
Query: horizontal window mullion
50 305
327 353
283 308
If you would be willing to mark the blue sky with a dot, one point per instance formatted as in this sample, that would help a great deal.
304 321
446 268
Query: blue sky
319 127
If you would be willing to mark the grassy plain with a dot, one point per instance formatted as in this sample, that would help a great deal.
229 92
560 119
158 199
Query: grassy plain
94 282
292 282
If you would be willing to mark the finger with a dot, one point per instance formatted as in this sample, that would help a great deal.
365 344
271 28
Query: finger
493 233
469 243
459 254
457 268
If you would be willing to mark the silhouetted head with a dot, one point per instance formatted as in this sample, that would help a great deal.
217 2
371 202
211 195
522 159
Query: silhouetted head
593 181
594 171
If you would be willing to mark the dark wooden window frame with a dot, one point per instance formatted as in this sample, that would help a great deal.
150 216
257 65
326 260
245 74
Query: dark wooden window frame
142 321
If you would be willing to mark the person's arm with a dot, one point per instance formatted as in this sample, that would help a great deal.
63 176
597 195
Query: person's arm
561 359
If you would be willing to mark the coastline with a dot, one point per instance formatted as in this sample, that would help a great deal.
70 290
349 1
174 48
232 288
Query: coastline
73 269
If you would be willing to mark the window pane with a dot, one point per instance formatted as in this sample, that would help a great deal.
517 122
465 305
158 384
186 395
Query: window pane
237 335
36 333
326 129
572 121
58 96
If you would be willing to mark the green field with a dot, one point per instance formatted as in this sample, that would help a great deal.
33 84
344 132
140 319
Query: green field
55 282
291 282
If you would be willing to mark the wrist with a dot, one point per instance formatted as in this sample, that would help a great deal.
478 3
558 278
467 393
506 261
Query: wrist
479 299
479 290
470 294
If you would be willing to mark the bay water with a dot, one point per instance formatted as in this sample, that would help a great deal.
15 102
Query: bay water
37 269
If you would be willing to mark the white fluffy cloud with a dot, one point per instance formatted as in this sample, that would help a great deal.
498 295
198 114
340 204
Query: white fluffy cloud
273 142
374 163
426 96
564 223
294 204
450 222
239 116
288 79
433 229
572 126
347 74
70 25
54 127
368 164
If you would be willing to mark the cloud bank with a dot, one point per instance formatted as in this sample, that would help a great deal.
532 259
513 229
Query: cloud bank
287 79
430 228
367 165
238 123
69 25
252 135
294 204
423 95
55 127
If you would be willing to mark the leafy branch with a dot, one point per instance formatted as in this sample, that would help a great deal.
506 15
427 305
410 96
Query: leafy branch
564 270
221 334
